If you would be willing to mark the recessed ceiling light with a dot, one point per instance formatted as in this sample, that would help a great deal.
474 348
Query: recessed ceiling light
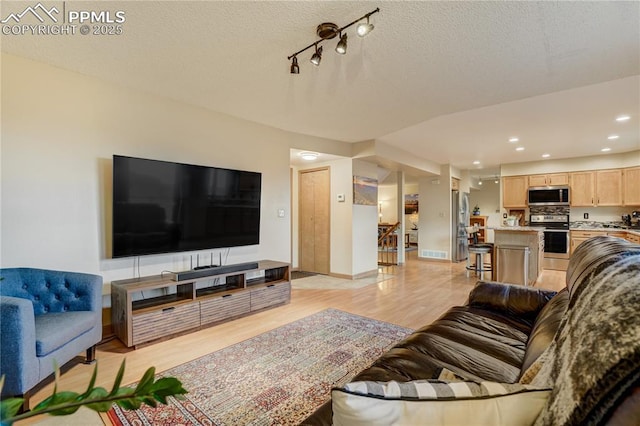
513 140
309 156
476 162
605 149
520 148
622 118
612 137
546 155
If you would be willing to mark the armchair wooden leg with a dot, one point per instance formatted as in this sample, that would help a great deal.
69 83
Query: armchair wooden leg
25 404
91 355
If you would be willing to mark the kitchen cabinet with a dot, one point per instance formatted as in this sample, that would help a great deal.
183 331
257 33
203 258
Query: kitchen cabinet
631 186
609 187
583 187
549 179
514 191
579 237
599 188
480 222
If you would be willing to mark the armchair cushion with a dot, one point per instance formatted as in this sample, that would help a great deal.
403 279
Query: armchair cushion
57 329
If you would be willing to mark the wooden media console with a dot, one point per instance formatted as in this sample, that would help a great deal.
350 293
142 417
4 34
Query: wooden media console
156 307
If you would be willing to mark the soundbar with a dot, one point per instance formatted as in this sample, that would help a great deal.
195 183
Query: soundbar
214 270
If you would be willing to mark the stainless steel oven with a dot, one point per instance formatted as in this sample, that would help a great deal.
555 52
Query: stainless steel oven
556 239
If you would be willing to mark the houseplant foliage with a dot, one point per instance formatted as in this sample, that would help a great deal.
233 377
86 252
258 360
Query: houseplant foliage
148 391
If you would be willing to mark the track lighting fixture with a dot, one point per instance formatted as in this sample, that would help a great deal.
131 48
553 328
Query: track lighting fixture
327 31
317 57
295 69
341 48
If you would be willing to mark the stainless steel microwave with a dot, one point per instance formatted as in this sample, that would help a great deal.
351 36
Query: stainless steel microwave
548 196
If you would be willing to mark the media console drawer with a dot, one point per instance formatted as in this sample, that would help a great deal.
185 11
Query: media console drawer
165 320
225 306
272 294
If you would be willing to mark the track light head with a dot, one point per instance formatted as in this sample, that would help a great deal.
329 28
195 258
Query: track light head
295 69
341 47
363 29
317 57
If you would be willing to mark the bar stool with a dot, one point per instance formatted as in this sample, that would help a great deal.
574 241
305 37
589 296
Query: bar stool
479 251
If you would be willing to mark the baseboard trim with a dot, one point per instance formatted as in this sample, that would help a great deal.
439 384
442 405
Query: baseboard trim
366 274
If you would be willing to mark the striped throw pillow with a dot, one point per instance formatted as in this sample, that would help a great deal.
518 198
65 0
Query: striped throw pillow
428 402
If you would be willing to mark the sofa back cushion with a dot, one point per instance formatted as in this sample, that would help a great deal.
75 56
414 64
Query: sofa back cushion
544 328
517 301
594 255
52 291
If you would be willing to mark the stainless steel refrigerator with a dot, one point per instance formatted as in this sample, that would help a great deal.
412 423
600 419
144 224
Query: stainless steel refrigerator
459 222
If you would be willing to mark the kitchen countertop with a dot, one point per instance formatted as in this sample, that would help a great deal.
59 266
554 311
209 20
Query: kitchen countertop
600 226
518 228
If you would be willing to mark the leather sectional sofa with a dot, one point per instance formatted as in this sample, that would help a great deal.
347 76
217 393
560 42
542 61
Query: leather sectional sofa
505 334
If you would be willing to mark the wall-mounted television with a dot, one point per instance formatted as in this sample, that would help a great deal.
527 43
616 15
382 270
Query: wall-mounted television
167 207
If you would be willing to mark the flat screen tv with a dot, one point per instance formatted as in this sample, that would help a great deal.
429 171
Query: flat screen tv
166 207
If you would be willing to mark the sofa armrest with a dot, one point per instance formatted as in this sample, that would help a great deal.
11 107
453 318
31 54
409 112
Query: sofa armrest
509 298
18 361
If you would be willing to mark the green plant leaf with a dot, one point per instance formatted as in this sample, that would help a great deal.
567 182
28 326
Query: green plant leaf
118 379
148 391
92 382
99 395
9 408
146 382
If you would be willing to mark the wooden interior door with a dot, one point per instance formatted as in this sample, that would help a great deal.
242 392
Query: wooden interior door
314 213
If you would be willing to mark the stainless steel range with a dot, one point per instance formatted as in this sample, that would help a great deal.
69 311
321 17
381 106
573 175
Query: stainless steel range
556 239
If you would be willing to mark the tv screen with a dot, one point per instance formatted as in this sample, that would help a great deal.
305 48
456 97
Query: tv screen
165 207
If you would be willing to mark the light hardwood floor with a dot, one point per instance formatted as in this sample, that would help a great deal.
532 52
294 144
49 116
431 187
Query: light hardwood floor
416 294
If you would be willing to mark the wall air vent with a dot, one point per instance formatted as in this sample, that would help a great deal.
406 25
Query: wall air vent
434 254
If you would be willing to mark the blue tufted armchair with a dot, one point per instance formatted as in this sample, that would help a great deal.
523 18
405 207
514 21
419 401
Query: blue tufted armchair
45 316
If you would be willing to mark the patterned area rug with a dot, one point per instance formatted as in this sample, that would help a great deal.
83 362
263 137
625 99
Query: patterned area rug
276 378
325 282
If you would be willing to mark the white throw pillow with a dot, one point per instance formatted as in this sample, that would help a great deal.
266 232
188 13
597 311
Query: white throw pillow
432 402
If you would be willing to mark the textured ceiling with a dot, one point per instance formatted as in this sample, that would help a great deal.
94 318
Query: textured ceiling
448 81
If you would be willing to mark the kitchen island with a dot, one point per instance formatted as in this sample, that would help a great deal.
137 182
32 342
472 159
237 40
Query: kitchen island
521 236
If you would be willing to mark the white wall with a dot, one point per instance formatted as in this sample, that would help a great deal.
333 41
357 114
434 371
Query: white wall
341 214
364 244
59 132
434 229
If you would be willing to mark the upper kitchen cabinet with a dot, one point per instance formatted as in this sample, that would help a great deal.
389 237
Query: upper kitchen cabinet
599 188
583 188
609 187
549 179
514 191
631 186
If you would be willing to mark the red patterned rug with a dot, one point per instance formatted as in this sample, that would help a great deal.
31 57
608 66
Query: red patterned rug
275 378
